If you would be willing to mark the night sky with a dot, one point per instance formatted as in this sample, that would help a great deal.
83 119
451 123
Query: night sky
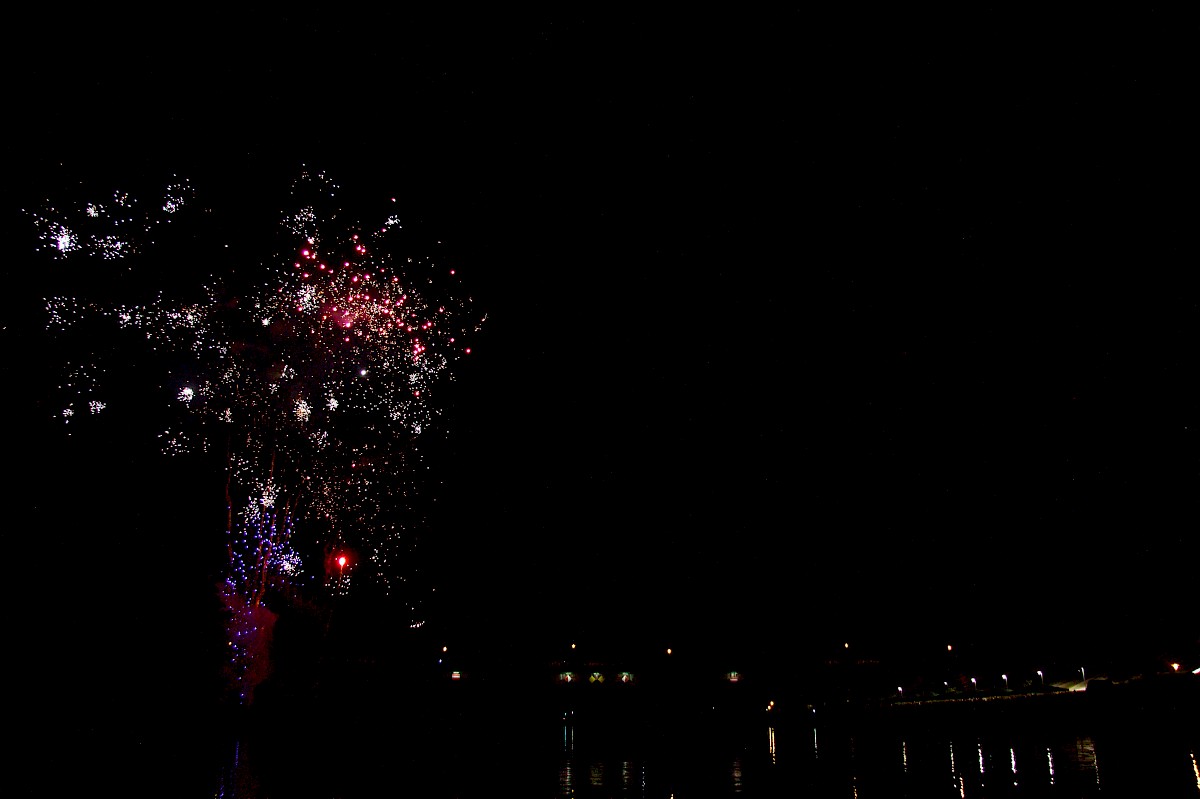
800 328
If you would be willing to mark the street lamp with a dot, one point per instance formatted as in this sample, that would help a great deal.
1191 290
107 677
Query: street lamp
1043 677
973 683
900 688
1083 674
1005 678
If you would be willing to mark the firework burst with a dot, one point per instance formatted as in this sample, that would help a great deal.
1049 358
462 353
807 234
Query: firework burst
311 372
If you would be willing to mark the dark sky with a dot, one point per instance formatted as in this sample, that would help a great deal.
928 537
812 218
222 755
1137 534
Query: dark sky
803 326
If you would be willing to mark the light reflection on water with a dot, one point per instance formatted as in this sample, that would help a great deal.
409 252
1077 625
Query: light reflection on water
584 760
1031 762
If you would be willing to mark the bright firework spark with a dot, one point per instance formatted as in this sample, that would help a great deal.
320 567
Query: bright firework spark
313 377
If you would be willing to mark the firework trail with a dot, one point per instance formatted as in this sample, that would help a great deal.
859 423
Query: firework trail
310 372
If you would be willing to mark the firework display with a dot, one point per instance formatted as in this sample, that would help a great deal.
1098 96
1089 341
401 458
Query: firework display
311 372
